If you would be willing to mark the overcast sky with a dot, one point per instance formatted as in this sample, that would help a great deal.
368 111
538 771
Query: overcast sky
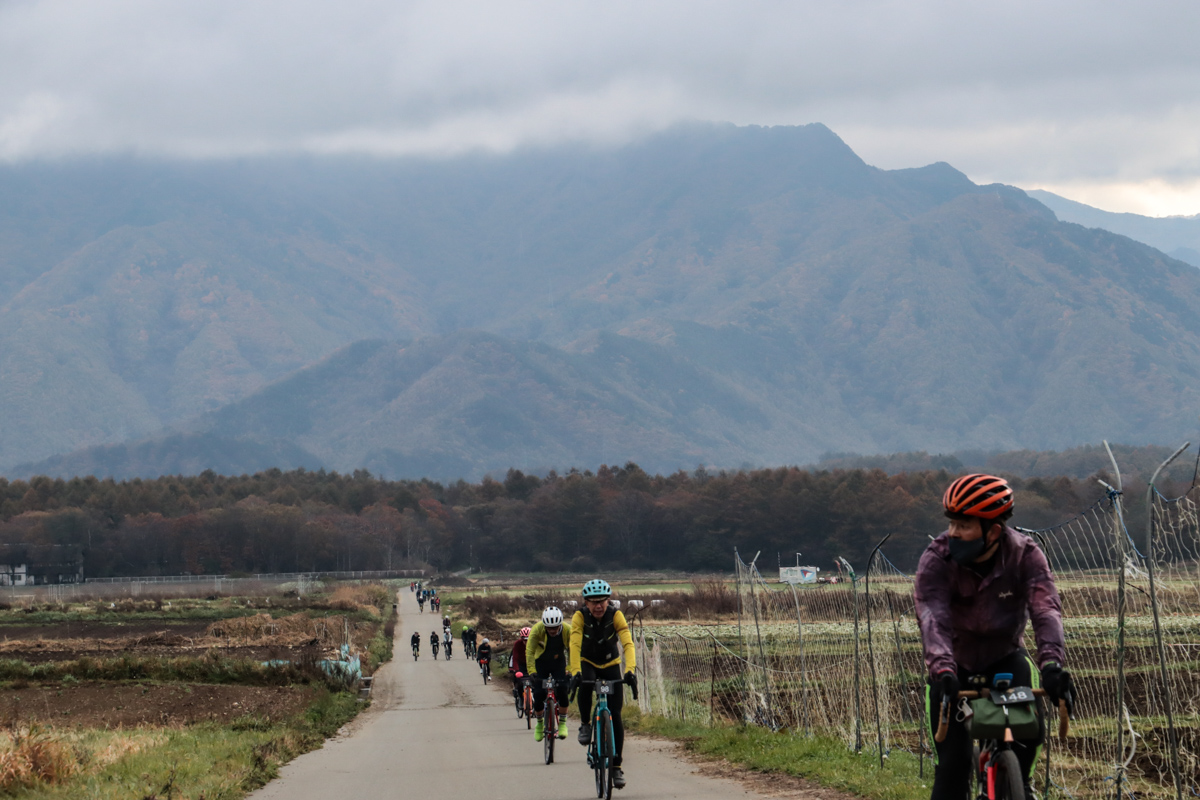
1098 101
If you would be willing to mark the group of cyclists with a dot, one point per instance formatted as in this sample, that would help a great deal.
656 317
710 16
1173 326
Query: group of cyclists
446 642
423 594
571 656
977 586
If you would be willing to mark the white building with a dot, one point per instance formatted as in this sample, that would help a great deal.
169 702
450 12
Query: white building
795 575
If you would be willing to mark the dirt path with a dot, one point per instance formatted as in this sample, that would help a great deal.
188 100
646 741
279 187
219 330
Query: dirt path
435 730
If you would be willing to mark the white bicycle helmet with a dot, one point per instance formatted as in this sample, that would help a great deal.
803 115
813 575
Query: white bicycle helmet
552 617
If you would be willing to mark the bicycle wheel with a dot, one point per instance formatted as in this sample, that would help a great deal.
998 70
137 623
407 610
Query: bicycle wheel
1009 785
603 737
601 776
527 705
610 747
520 706
549 734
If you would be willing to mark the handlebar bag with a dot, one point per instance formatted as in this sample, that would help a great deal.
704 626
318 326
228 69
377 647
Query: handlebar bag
988 722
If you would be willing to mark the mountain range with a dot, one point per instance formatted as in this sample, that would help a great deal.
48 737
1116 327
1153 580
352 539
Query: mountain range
1178 236
712 294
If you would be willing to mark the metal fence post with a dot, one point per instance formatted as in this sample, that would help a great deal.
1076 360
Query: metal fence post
1119 534
803 669
871 653
758 634
687 652
857 661
737 566
1158 637
712 686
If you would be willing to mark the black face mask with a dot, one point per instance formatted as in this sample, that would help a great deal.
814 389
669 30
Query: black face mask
966 552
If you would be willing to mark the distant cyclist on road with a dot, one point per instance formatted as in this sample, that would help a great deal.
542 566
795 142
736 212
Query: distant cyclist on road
447 642
474 634
433 643
483 654
546 654
416 642
599 635
977 586
466 631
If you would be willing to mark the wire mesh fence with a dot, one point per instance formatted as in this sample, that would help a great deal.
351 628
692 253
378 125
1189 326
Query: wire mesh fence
845 660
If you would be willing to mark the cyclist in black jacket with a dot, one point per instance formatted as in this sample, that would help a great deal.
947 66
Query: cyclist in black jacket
483 654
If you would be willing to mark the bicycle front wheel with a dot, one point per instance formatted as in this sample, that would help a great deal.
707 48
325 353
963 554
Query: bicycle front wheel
1009 785
604 755
610 749
550 732
601 778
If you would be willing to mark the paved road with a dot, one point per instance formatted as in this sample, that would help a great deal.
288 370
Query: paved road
434 731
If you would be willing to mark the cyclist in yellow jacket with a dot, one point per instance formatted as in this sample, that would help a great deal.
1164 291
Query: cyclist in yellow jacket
546 654
599 636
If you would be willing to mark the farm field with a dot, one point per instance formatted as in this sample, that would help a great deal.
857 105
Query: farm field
158 696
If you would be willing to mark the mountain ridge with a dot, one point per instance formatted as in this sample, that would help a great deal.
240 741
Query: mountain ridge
1178 236
821 303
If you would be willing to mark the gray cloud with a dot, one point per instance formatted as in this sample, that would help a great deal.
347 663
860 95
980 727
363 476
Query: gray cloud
1072 93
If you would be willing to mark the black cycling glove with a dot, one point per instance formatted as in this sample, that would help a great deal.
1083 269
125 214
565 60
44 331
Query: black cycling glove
949 681
631 679
576 679
1058 685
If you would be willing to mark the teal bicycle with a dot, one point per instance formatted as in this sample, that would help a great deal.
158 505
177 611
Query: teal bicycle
603 750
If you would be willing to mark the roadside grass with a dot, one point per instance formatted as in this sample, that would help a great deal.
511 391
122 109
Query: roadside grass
380 649
207 760
823 760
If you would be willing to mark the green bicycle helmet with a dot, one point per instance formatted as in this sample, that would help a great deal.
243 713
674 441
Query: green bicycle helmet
596 588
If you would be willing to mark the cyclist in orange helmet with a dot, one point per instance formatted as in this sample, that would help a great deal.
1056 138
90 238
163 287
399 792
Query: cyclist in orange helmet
977 586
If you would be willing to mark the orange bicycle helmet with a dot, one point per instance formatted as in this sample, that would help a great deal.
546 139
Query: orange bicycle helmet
977 495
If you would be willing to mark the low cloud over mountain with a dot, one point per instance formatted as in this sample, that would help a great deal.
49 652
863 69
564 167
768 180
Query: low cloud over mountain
711 295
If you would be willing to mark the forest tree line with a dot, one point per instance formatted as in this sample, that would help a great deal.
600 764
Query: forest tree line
615 517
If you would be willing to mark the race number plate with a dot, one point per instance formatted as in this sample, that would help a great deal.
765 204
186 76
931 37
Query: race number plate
1013 696
604 688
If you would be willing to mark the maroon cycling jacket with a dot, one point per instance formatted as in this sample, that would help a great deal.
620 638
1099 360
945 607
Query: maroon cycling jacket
516 659
971 620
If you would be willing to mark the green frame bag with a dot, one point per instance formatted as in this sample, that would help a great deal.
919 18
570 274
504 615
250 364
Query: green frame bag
988 720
